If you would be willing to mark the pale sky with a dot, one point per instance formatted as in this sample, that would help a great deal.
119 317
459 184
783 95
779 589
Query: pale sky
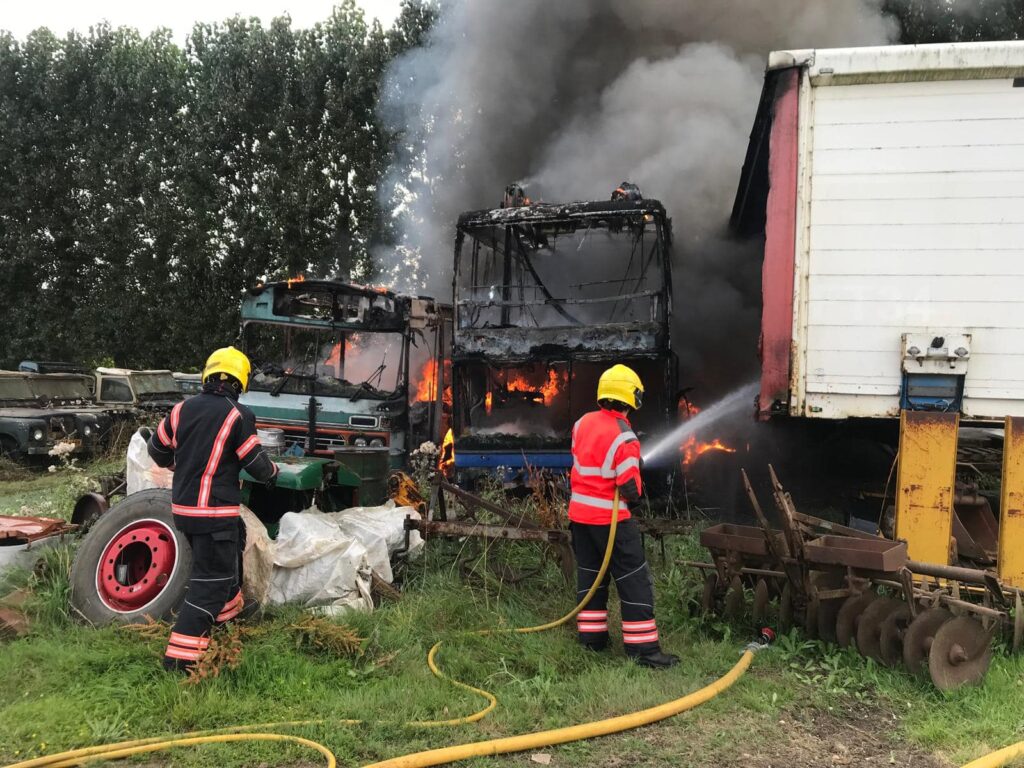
22 16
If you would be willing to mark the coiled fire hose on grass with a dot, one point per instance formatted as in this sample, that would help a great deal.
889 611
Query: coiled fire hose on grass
444 754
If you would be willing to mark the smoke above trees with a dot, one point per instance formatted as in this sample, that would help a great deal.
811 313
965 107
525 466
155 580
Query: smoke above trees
572 98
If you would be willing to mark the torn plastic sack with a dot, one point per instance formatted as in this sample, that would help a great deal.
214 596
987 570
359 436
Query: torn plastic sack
382 531
257 558
141 472
325 559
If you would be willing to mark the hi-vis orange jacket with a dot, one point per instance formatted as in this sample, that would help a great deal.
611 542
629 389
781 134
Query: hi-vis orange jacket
605 455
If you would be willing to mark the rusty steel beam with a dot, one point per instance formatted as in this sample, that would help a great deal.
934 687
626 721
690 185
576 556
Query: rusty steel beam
428 528
956 573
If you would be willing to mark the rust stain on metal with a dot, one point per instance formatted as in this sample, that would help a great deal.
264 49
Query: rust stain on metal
26 529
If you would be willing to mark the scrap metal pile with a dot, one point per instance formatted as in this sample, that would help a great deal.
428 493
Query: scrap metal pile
859 590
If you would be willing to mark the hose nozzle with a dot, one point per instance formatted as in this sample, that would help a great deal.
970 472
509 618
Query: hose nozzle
764 639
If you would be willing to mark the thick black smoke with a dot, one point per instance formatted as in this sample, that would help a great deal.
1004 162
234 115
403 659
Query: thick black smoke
575 96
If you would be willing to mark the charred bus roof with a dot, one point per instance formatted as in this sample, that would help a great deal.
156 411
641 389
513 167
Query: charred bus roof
332 304
563 217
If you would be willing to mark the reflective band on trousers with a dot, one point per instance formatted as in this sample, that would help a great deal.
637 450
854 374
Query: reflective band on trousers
593 501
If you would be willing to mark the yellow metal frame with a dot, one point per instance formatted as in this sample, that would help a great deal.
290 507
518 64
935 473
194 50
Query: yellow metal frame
924 494
1010 562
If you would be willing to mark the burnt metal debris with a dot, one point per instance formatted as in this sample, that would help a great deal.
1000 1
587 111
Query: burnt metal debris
546 297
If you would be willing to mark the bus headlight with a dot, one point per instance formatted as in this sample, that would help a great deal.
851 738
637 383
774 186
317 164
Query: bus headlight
38 435
376 443
359 442
87 430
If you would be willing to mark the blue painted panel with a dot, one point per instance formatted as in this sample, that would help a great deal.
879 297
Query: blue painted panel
517 460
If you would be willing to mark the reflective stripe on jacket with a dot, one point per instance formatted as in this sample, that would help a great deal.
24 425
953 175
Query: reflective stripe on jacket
210 439
605 456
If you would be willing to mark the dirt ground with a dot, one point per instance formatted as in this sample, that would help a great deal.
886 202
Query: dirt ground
803 737
856 736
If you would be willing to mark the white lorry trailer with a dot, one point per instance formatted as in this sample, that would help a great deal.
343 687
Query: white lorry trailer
889 186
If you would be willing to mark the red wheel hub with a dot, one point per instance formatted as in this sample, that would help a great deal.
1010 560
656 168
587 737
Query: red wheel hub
136 565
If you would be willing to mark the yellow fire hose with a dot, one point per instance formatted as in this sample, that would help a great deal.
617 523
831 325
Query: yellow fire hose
999 757
434 756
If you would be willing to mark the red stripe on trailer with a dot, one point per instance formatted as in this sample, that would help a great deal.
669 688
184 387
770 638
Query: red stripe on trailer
779 246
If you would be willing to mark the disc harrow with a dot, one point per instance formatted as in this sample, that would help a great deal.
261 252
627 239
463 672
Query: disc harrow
855 589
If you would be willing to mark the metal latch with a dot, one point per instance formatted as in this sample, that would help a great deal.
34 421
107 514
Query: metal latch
936 353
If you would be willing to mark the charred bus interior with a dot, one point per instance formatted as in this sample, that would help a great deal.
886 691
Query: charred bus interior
546 298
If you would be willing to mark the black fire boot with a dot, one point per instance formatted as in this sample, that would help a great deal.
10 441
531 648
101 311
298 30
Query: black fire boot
595 647
252 610
656 659
177 665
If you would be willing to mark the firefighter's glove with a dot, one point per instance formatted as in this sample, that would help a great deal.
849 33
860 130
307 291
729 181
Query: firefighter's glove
146 433
271 482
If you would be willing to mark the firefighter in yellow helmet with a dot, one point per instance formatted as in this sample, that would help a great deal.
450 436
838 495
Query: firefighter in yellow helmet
208 440
606 458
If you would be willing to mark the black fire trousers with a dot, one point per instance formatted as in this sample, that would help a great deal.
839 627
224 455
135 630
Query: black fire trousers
214 592
632 582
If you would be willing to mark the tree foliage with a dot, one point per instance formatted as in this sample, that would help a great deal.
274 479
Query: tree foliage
144 186
954 21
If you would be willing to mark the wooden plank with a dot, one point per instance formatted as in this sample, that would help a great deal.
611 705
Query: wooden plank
938 236
919 159
942 133
912 90
975 210
919 262
943 183
900 288
871 110
916 314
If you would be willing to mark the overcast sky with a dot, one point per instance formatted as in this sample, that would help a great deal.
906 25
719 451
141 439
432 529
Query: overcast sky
22 16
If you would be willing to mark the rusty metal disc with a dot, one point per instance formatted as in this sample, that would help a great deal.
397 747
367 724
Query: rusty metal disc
869 626
960 653
786 608
735 600
890 636
759 611
849 613
917 640
828 610
88 509
707 598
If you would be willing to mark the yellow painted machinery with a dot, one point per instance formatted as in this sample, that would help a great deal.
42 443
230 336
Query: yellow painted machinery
932 595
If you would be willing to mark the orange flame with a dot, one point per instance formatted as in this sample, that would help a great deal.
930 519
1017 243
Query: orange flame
292 280
692 448
428 382
548 390
488 402
446 458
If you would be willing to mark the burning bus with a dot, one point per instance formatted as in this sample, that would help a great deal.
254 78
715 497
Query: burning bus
338 365
547 296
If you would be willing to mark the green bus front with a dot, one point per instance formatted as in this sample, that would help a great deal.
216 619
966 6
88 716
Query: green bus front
338 366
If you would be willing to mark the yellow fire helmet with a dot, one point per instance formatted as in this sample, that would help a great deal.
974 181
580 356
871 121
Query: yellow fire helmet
230 361
621 384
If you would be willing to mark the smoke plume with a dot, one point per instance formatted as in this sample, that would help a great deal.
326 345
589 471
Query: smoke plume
574 96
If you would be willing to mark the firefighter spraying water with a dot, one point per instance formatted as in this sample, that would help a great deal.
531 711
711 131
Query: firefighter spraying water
606 463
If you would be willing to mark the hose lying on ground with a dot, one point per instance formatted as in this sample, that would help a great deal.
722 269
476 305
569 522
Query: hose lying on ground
435 756
998 758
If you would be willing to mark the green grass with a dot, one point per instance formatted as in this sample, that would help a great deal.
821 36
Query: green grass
66 686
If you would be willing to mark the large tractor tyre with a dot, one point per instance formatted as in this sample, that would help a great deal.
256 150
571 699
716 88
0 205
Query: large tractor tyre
132 564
